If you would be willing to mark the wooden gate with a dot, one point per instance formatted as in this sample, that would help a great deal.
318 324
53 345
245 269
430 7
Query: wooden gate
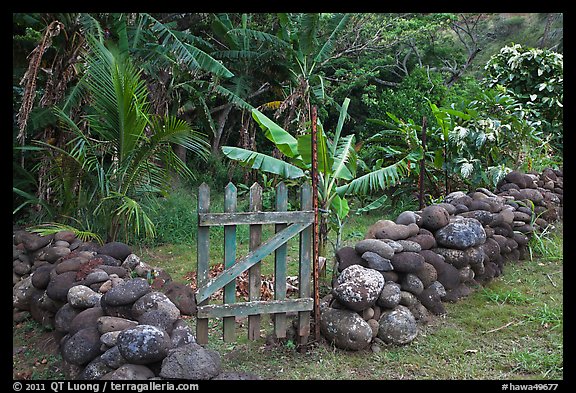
287 225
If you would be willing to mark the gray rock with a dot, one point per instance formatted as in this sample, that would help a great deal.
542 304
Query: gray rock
347 256
127 293
71 265
112 358
454 257
191 361
434 217
81 296
67 236
412 283
406 218
108 324
95 276
95 370
130 372
431 299
21 294
64 317
82 347
461 234
116 250
52 254
447 274
397 326
390 295
59 285
397 247
86 318
143 344
376 262
358 287
410 246
182 296
427 274
159 318
426 242
41 276
155 301
109 338
376 246
181 334
345 329
31 241
407 262
21 268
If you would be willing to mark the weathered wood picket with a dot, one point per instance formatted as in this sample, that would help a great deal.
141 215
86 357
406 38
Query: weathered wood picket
287 225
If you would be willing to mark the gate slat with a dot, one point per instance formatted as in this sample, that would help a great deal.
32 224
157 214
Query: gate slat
280 263
254 278
230 203
239 218
202 257
305 265
255 307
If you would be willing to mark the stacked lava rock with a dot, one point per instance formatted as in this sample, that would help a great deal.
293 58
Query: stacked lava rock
106 306
405 269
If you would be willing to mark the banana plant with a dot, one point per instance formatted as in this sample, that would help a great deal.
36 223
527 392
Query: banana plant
337 167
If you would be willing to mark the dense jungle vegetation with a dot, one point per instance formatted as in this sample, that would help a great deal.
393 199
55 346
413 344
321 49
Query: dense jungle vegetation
117 118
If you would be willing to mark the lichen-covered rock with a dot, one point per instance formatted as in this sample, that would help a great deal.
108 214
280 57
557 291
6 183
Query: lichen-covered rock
461 234
345 329
81 296
143 344
127 293
390 295
376 262
82 347
155 301
130 372
358 287
397 326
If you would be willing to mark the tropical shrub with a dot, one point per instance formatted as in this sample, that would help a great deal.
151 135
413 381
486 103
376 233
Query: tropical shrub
535 77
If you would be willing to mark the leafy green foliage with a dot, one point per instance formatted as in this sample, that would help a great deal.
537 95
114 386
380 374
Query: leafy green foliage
535 78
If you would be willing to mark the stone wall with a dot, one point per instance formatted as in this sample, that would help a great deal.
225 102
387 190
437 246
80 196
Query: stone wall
403 271
119 318
116 316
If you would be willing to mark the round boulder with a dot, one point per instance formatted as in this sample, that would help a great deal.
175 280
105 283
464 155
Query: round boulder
345 329
397 326
435 217
358 287
461 234
143 344
192 362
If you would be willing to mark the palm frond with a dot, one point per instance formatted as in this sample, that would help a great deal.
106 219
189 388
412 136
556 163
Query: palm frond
191 56
55 227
